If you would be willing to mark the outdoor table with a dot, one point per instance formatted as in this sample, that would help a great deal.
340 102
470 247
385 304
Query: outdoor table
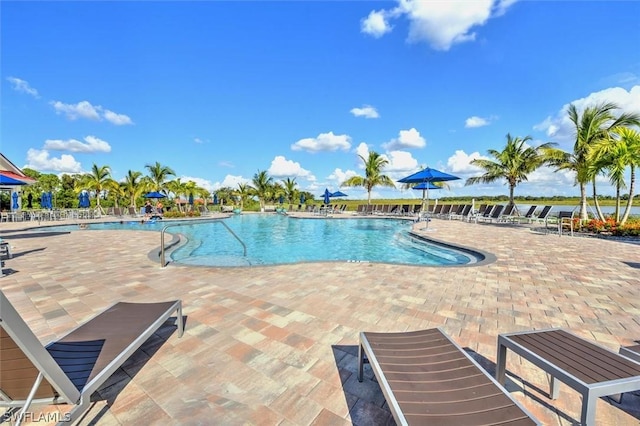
590 369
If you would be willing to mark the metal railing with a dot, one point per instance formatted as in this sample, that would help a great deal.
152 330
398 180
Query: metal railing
162 257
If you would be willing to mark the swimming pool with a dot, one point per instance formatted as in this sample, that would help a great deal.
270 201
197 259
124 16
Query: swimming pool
278 239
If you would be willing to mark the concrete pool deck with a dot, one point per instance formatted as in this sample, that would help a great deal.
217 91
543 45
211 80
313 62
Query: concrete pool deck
277 345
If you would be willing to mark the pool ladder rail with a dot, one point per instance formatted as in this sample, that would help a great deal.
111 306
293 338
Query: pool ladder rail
163 263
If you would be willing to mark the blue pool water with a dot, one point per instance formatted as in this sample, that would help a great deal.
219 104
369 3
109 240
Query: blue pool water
278 239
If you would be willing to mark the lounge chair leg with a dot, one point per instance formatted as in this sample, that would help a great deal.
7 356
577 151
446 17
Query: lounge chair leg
554 392
501 363
360 363
180 321
588 415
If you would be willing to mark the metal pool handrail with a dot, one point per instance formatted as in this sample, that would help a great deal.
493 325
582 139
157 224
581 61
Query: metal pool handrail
162 262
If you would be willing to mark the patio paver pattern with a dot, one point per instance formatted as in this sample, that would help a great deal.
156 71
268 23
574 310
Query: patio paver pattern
277 345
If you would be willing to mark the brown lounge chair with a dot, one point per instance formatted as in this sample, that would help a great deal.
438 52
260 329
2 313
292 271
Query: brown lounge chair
427 378
72 368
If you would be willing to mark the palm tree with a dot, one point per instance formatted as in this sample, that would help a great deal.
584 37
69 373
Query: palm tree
373 176
132 186
177 188
512 164
289 185
262 184
158 175
97 180
244 192
594 125
615 155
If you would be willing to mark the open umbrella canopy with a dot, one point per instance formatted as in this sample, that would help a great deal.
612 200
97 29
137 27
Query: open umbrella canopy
15 205
428 175
338 194
154 194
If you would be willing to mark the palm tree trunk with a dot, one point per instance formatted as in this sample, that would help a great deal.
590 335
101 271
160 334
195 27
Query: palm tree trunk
627 210
583 202
617 212
511 191
596 202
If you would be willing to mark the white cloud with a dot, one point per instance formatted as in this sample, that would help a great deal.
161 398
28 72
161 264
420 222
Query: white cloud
441 24
367 111
23 86
363 151
375 24
476 121
232 182
401 163
117 119
460 162
203 183
93 144
283 168
562 129
39 160
406 139
324 142
84 109
338 175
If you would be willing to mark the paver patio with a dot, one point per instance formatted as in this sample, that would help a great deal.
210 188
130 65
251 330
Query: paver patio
277 345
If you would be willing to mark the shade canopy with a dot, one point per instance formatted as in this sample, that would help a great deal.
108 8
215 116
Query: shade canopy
83 200
8 180
154 194
302 199
338 194
428 175
15 205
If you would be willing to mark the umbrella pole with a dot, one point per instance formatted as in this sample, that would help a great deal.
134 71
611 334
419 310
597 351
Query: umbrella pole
427 211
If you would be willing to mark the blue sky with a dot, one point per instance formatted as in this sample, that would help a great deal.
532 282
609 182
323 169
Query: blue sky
220 90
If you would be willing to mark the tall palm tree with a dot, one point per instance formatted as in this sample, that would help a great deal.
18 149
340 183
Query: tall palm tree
244 191
373 166
177 188
594 125
616 154
159 175
97 180
262 184
290 191
513 164
132 186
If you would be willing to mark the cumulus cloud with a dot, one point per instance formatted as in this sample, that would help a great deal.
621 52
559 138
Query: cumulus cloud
91 144
283 168
117 119
338 175
460 162
41 161
23 86
476 121
203 183
376 24
367 111
231 181
363 151
406 139
85 109
441 24
400 163
324 142
562 129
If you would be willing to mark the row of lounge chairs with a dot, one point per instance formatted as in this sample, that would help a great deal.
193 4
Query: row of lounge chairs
427 378
389 209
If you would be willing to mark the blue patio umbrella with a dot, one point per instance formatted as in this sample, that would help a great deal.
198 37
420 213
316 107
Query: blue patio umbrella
302 199
154 194
338 194
84 200
215 199
281 199
50 199
428 175
327 195
191 199
15 205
